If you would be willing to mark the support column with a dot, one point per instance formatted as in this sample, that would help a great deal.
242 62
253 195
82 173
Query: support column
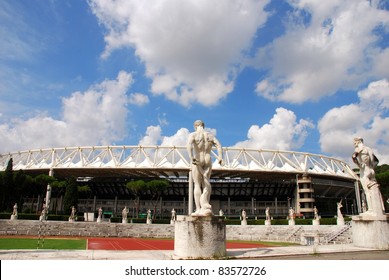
229 206
304 197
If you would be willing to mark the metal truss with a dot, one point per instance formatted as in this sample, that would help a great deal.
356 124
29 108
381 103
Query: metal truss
171 158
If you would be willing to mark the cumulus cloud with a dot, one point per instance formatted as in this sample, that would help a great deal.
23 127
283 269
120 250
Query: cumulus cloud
94 117
328 45
367 119
192 49
138 99
283 132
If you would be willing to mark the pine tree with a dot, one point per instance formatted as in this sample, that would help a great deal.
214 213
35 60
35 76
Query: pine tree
71 195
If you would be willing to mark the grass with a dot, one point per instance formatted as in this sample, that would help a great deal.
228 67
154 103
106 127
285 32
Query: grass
47 243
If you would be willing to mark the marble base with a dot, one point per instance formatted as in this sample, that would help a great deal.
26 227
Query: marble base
340 221
316 222
199 237
13 217
149 222
291 222
267 223
243 222
371 231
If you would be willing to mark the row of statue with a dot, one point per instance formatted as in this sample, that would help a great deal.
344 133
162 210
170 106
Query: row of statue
243 216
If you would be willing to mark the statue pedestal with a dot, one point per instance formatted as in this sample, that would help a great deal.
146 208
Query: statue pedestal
267 223
149 221
371 231
124 221
340 221
199 237
14 217
316 222
291 222
243 222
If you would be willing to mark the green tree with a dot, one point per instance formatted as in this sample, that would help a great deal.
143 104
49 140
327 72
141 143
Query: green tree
383 180
155 189
8 188
71 194
136 188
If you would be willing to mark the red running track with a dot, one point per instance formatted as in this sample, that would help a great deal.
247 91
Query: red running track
150 244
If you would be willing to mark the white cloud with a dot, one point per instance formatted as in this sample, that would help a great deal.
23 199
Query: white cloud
283 132
367 119
138 99
94 117
152 137
192 49
336 47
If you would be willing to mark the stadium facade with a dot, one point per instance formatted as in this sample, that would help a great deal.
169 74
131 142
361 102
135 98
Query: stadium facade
250 179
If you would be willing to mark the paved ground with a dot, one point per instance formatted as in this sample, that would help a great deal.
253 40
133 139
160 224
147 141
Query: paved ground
322 252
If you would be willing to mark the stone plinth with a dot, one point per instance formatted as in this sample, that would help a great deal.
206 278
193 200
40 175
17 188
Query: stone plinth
243 222
267 223
315 222
371 231
340 221
14 217
89 217
291 222
199 237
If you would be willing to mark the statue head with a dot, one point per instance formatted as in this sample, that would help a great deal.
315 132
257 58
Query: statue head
198 123
357 141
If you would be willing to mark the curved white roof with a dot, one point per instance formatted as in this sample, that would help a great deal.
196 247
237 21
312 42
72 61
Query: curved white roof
172 160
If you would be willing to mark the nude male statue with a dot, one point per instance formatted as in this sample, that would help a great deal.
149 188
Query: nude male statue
199 146
365 159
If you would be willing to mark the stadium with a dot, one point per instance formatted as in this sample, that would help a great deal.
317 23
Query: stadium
250 179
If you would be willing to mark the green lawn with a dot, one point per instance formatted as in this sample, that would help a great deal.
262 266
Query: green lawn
46 243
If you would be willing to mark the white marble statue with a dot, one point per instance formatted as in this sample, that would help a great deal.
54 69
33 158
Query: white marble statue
43 215
173 217
267 214
365 159
243 218
72 217
339 206
316 217
291 214
291 220
100 215
14 215
124 215
315 213
199 148
149 219
340 219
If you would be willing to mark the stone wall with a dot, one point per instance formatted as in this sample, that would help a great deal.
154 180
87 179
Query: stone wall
294 234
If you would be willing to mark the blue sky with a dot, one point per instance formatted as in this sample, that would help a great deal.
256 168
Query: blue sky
299 75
